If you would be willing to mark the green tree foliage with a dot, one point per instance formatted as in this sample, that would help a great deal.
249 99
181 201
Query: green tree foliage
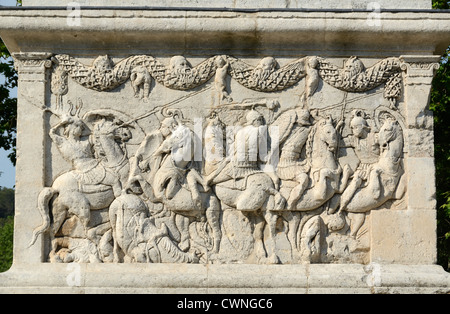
6 243
6 202
8 127
440 102
440 105
8 104
441 4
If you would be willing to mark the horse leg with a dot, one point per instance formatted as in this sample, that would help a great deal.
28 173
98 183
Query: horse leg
297 191
113 218
55 243
80 207
347 172
357 220
293 219
271 220
192 179
105 249
350 191
194 176
305 218
374 183
258 236
320 190
312 234
182 224
112 179
213 218
59 212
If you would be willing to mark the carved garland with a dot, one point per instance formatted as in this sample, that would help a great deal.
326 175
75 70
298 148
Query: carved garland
267 76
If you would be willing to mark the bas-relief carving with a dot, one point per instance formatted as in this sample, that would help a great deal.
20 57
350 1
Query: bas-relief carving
252 182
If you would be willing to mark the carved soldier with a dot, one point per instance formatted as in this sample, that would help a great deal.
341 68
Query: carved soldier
245 159
79 152
144 155
366 146
166 154
294 131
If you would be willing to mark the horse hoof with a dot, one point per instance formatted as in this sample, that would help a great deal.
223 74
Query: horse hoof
213 257
273 259
184 245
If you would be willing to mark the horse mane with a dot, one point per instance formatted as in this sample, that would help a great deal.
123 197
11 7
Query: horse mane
101 127
310 141
394 135
396 131
309 145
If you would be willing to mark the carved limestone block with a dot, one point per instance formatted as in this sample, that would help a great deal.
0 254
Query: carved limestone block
290 179
222 148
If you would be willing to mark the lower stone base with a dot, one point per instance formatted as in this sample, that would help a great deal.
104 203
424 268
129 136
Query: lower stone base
218 279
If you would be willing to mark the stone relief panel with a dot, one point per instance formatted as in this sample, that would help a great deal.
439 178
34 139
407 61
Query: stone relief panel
227 161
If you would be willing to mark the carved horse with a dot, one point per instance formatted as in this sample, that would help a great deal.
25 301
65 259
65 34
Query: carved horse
253 193
383 182
109 140
175 184
260 197
74 192
326 178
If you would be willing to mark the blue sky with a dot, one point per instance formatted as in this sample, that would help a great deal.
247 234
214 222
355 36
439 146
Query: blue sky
7 2
7 170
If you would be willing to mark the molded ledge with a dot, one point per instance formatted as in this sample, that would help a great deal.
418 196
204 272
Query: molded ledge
330 32
410 4
212 279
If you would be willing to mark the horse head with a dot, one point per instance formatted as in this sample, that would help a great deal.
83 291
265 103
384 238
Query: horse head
327 133
114 130
322 142
108 137
391 138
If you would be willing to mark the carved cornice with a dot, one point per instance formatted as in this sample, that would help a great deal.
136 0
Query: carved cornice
208 30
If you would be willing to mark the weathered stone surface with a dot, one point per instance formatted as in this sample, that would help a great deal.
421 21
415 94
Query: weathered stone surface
174 32
301 4
197 152
225 279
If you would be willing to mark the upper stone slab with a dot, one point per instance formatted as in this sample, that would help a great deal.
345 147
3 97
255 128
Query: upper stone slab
245 4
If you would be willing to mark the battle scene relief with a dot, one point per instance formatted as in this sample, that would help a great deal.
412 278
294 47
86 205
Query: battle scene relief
266 161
